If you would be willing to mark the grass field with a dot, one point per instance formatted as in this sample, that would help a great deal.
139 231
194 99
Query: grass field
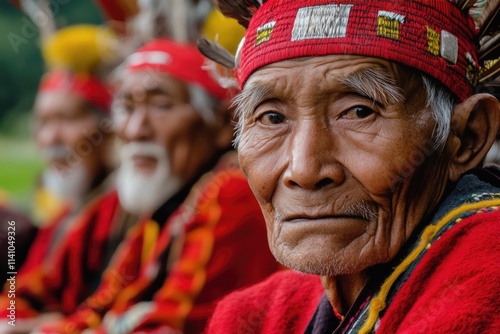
19 167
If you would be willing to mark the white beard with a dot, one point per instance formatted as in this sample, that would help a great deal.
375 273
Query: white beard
141 193
71 183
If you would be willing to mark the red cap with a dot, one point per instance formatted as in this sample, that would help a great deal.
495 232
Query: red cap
182 61
432 36
86 86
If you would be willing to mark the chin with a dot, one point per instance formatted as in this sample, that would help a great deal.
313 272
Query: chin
318 260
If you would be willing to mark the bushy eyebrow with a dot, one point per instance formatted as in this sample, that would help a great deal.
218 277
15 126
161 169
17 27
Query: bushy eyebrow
250 97
375 84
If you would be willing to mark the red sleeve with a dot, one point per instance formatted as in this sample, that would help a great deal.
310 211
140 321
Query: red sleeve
454 288
120 273
63 283
284 303
39 248
225 248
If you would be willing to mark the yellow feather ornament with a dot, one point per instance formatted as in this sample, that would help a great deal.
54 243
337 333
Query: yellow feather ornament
80 48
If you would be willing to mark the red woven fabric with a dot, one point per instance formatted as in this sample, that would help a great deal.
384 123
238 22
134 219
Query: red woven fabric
284 303
404 31
453 289
223 248
87 87
65 283
182 61
38 250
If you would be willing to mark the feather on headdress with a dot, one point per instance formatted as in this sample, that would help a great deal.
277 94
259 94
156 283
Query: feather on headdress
221 39
241 10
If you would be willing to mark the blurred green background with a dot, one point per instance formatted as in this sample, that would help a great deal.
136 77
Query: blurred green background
21 66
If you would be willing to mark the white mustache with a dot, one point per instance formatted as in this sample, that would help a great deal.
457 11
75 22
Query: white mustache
128 151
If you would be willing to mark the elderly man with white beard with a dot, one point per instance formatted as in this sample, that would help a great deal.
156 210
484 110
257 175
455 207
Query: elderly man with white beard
196 230
71 124
72 131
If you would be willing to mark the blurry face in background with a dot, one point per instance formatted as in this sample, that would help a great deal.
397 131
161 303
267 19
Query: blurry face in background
68 136
165 140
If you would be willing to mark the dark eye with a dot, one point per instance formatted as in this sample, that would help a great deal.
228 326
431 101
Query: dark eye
272 117
358 112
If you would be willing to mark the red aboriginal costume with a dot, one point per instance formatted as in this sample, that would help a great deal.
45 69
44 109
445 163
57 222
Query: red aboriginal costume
445 281
213 243
171 268
446 278
60 216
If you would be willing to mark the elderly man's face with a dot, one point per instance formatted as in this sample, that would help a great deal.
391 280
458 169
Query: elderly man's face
166 141
71 140
335 149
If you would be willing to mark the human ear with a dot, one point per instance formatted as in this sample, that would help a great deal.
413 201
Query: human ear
475 123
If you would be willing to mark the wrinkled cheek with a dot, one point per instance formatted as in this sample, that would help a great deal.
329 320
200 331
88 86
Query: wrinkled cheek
275 239
261 170
387 180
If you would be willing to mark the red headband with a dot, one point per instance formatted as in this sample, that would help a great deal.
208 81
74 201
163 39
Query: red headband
182 61
434 37
88 87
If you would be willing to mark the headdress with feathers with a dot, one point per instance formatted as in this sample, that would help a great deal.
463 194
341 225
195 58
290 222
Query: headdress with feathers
182 21
78 58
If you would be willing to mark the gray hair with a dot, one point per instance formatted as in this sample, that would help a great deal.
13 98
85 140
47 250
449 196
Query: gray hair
441 102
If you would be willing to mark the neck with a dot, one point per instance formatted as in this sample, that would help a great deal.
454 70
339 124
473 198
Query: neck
342 291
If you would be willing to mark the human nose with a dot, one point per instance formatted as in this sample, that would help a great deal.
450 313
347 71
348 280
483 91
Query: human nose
312 163
138 126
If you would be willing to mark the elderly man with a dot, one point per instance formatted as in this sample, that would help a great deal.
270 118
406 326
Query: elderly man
72 130
200 233
363 141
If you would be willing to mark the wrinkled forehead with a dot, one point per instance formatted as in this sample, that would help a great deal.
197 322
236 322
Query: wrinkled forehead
370 76
330 66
